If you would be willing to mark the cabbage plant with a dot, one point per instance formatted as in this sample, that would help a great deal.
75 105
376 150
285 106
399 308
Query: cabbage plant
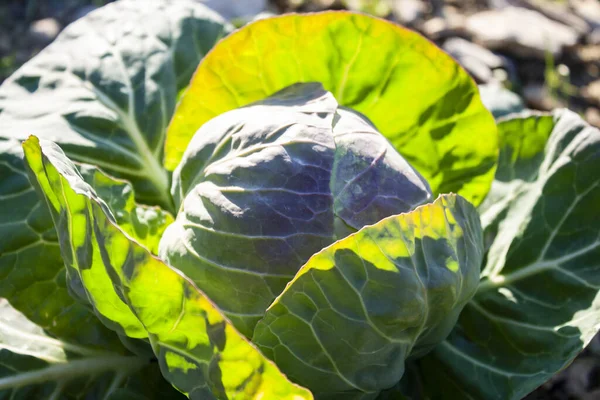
325 210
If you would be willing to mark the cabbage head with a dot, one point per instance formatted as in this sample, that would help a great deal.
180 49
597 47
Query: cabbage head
262 188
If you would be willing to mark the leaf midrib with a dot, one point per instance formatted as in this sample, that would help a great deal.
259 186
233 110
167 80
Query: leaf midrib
155 173
40 339
64 372
549 167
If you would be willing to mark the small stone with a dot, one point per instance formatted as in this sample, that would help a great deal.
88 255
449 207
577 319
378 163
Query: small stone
478 61
438 28
43 31
538 96
592 116
458 47
478 70
500 75
589 10
408 12
584 54
559 12
521 32
592 92
432 27
563 70
594 36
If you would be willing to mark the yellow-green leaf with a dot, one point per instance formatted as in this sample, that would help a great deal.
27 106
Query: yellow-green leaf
198 349
145 224
416 95
358 309
105 89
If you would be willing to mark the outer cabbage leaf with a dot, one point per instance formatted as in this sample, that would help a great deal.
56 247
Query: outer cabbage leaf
55 310
264 187
36 366
32 271
145 224
198 349
538 304
106 88
416 95
358 309
77 91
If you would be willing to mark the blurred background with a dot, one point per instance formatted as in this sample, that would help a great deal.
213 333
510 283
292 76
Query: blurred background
546 52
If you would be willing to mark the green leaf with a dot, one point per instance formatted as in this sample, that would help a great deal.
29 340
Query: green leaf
351 317
537 305
36 366
32 271
31 275
523 140
198 349
264 187
145 224
414 93
107 98
77 91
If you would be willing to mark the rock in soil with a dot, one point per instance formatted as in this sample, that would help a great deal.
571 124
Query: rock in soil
592 115
477 60
589 10
592 93
408 12
521 32
446 26
537 96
